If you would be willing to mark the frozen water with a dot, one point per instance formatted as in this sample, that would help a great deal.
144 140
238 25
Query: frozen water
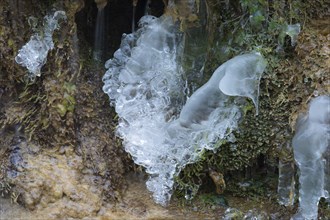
293 30
311 144
145 84
286 177
242 76
33 55
326 157
99 37
237 77
286 183
253 214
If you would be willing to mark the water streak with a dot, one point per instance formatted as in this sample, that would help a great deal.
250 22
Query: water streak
99 37
133 18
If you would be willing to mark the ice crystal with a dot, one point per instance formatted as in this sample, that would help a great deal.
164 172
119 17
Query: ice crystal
33 55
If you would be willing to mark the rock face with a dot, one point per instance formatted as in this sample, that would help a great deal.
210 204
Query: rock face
101 3
54 181
239 76
56 148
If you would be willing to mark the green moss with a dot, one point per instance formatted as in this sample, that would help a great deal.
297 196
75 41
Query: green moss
5 188
210 199
68 101
255 25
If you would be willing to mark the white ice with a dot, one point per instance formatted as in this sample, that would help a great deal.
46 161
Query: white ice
33 55
311 144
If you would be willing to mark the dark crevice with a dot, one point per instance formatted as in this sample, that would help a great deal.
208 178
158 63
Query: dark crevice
118 20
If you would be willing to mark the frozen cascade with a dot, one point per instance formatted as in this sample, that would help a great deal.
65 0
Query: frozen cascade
286 177
145 84
326 157
238 76
33 55
134 4
286 183
311 145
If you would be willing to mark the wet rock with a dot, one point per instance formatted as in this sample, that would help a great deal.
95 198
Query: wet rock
59 160
255 214
233 214
101 3
54 182
218 180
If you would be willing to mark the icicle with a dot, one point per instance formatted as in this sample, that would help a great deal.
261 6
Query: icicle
286 183
311 146
99 34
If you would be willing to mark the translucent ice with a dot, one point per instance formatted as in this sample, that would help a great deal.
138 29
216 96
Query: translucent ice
242 76
311 144
144 83
239 76
145 86
286 183
293 30
286 178
33 55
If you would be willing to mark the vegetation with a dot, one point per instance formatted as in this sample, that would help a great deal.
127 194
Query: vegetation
66 109
258 25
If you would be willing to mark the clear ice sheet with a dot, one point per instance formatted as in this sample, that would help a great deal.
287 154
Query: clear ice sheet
33 55
145 84
311 147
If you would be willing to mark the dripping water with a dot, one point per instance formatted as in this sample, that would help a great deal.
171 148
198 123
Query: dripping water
147 8
99 38
133 16
140 8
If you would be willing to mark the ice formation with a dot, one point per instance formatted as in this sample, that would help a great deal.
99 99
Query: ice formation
145 83
311 146
286 187
237 77
242 76
286 183
293 30
33 55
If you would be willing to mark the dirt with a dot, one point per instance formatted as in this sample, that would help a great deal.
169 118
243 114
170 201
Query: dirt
136 203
